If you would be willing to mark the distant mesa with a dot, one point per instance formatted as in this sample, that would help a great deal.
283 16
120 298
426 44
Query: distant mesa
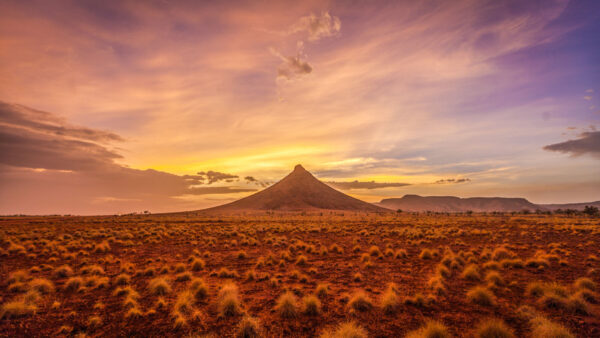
299 191
416 203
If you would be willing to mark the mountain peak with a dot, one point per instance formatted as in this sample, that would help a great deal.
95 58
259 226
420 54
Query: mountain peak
299 167
299 190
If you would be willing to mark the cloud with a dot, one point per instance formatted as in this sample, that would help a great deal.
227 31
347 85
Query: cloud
365 185
215 176
291 66
452 181
587 143
589 91
20 117
316 26
588 98
48 165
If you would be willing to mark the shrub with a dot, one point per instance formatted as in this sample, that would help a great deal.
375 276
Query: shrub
322 290
471 272
198 264
73 283
360 302
183 277
242 255
482 296
431 329
311 305
494 328
400 253
228 302
199 288
122 279
494 278
584 283
426 254
126 291
94 321
133 312
184 304
19 276
374 251
543 328
286 305
159 286
17 308
301 260
535 289
41 285
389 300
346 330
63 271
248 327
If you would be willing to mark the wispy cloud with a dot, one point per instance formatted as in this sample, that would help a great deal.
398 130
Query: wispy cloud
587 143
365 185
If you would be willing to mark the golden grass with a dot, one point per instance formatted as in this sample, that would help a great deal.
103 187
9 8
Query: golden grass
228 301
286 305
431 329
493 328
345 330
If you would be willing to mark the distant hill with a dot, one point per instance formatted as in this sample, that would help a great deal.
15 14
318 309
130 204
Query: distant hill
456 204
574 206
298 191
416 203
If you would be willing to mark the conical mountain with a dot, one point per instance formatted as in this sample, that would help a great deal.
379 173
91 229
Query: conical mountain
299 191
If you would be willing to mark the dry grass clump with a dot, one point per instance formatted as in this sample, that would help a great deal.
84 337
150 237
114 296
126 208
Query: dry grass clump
21 307
184 304
73 284
41 285
360 301
199 288
92 270
471 272
248 327
19 276
311 305
183 277
322 290
389 300
584 283
122 279
426 254
494 328
431 329
544 328
286 305
63 271
226 273
159 286
345 330
197 264
374 251
482 296
400 253
242 255
301 260
94 322
228 301
126 291
494 278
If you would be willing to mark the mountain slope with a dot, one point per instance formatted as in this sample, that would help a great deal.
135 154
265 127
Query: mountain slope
299 191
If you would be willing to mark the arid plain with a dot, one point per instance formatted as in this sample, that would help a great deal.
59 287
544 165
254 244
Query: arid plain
277 274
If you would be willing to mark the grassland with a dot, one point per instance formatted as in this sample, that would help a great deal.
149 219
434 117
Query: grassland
275 275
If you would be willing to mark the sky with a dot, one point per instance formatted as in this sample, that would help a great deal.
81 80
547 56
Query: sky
124 106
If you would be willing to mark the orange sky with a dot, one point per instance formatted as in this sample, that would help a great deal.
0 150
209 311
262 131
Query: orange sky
108 105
